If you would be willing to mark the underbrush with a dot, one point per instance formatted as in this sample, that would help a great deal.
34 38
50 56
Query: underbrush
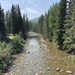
7 50
17 44
5 55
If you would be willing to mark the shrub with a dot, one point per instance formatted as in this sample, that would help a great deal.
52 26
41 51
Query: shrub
5 56
17 44
6 51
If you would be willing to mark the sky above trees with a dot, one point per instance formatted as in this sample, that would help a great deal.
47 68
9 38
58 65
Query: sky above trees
33 8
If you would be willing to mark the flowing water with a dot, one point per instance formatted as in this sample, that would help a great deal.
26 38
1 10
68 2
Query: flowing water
32 61
36 60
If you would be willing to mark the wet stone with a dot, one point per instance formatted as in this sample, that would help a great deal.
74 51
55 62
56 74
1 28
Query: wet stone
61 70
48 68
69 72
36 74
28 52
13 65
14 56
57 69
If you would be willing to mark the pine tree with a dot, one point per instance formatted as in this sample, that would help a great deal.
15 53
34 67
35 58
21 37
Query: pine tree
14 20
19 20
54 23
27 24
45 27
41 24
8 22
62 15
2 25
47 24
69 36
24 26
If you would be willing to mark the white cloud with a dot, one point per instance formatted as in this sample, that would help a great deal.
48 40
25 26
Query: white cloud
31 10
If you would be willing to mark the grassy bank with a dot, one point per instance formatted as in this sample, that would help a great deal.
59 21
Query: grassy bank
60 59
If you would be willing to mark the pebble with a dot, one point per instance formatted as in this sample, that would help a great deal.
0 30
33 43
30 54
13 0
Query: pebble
61 70
48 50
14 56
17 60
28 52
13 65
48 68
57 69
6 74
69 72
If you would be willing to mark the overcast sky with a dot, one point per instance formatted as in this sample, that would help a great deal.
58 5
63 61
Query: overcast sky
33 8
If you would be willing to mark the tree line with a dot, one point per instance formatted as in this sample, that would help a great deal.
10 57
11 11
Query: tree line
58 25
13 22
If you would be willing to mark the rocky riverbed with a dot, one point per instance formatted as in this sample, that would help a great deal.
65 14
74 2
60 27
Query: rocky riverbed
41 57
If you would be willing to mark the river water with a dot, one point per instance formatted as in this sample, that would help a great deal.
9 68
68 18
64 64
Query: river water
37 60
32 61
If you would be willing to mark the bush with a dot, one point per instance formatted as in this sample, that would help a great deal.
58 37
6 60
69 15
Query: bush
5 56
6 51
17 44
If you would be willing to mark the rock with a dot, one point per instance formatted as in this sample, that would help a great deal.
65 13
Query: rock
48 68
6 74
28 52
47 49
69 72
61 70
36 74
26 64
57 69
17 60
13 65
11 74
14 56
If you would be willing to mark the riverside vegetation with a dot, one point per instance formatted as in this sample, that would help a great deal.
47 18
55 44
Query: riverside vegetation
13 31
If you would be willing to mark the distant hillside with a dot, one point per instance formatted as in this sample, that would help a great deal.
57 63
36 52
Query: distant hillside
34 20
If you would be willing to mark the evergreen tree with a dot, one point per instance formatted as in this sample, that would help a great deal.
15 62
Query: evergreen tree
62 15
47 24
2 25
69 36
14 19
27 24
19 20
54 23
41 24
8 22
24 26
